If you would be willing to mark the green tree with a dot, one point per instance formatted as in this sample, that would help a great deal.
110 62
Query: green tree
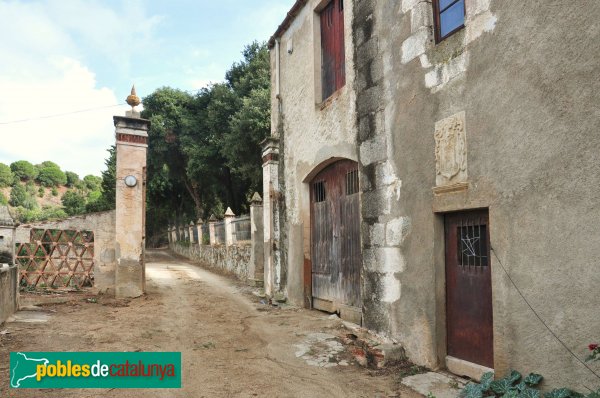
6 176
20 197
50 174
72 178
106 201
23 170
204 149
93 183
73 202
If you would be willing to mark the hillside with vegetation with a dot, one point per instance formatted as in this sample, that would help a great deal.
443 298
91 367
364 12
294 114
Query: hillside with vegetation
45 192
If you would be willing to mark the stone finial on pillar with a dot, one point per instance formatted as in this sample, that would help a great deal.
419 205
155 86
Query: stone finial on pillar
211 230
131 133
133 100
257 255
169 234
191 232
229 216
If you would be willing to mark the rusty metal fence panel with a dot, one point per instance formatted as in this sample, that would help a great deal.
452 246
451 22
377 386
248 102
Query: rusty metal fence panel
57 259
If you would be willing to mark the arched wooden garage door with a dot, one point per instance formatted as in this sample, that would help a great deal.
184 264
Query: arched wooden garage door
335 239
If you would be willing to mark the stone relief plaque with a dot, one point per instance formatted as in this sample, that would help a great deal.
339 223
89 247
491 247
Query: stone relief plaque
451 150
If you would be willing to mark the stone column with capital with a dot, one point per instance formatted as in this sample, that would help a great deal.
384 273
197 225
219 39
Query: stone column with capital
257 255
131 147
272 258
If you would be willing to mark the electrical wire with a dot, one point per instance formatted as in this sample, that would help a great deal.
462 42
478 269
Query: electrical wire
59 114
540 318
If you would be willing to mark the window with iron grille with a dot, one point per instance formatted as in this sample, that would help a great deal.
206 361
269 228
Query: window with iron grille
472 246
352 182
449 16
333 66
319 191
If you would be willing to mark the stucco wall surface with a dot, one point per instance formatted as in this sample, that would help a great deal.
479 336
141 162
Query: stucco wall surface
103 226
530 98
8 292
231 259
312 131
6 243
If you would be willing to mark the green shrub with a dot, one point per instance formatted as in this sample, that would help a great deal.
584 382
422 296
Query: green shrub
41 192
515 386
6 176
72 179
18 195
50 175
52 213
31 188
54 191
3 199
92 182
73 202
23 170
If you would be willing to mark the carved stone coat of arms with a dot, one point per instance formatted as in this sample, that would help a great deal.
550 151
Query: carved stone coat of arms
451 150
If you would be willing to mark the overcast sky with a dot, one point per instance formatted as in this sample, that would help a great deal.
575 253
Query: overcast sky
62 56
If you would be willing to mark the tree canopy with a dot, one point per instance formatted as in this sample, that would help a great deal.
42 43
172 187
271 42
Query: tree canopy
6 176
23 170
204 148
50 174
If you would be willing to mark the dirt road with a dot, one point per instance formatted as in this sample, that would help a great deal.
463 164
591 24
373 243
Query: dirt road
232 345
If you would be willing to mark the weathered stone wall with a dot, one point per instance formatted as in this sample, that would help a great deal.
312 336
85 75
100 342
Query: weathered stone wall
313 133
234 259
103 226
522 93
6 239
8 292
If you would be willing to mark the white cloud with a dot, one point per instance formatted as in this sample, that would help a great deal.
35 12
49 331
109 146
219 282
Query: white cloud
43 72
76 141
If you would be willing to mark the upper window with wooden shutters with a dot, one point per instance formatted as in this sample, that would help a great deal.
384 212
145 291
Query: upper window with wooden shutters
333 67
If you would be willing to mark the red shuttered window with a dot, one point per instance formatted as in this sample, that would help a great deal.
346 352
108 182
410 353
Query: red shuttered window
333 66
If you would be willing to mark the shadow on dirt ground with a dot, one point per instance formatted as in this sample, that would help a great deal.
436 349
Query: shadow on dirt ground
233 343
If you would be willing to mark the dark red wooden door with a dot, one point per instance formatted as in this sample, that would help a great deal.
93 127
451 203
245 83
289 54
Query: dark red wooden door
332 48
335 235
469 287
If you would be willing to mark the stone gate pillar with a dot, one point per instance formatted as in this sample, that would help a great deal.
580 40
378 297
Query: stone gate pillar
211 230
272 266
132 145
229 216
199 230
257 255
191 229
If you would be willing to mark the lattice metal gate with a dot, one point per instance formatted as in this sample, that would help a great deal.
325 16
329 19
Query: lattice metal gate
56 259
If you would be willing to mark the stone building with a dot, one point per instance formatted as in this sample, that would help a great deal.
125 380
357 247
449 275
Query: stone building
471 235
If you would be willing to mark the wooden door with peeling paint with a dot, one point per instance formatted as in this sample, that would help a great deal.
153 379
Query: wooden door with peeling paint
469 288
335 239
